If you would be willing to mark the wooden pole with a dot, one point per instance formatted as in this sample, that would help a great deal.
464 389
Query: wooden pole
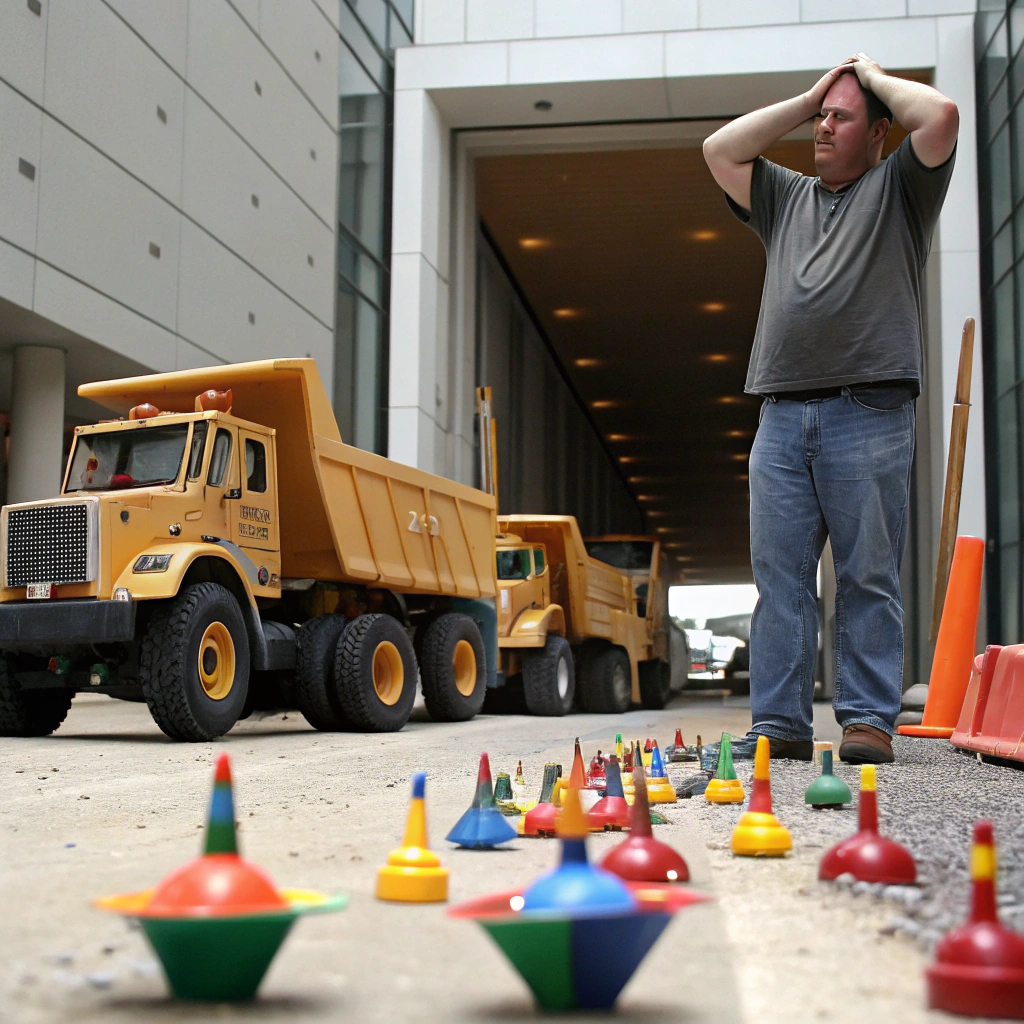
954 473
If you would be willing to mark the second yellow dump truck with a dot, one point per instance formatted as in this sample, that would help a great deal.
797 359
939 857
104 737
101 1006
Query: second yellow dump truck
583 620
218 549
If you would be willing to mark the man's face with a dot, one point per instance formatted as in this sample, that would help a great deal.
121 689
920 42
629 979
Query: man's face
842 136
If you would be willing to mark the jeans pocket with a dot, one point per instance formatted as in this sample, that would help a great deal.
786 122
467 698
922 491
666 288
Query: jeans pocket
760 414
882 399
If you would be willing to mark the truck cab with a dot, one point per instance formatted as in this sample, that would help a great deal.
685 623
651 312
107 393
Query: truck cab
524 584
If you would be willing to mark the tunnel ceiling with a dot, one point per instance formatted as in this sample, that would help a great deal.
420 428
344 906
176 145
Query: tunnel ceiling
648 289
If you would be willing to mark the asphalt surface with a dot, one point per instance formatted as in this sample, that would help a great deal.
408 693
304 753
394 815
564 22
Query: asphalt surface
108 805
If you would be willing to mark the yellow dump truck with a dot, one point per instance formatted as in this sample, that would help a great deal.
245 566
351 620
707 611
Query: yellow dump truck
577 626
218 549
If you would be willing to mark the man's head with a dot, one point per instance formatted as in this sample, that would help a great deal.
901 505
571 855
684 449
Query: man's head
850 131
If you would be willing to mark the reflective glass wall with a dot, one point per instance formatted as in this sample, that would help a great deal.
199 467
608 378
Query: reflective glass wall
370 32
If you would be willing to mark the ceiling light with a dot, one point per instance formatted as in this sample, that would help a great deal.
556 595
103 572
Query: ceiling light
740 456
604 403
729 399
742 476
619 437
713 307
704 235
678 544
587 363
655 512
663 529
566 314
646 497
739 433
627 458
534 243
684 558
717 357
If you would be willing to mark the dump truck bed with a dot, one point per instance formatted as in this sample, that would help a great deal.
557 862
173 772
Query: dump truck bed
346 515
597 600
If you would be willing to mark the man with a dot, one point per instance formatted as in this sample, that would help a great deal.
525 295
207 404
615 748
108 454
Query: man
837 360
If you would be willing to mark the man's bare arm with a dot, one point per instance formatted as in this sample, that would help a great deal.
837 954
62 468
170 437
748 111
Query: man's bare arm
931 118
730 153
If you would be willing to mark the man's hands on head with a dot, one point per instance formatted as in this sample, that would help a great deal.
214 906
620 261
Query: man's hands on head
865 68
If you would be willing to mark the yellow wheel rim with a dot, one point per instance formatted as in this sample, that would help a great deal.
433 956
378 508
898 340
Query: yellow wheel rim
217 661
388 673
464 664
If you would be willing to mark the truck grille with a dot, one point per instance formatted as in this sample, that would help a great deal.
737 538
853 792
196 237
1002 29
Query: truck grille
50 543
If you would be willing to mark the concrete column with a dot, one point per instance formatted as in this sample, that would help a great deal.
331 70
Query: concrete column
37 423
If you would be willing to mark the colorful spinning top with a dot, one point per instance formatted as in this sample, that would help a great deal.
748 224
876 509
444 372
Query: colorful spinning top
647 753
641 857
725 787
540 820
520 798
578 780
413 873
503 794
659 788
611 812
217 922
979 967
596 774
868 856
483 826
827 790
618 747
578 933
758 832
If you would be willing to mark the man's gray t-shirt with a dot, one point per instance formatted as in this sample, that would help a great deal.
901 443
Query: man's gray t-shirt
842 292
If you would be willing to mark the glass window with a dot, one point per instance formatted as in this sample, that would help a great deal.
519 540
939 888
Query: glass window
361 183
538 560
219 458
398 34
1016 27
358 369
361 270
514 564
128 457
622 554
356 43
404 8
195 457
374 15
998 107
255 466
1009 579
993 63
999 175
1008 454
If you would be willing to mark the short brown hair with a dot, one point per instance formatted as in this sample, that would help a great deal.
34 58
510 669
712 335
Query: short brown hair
876 108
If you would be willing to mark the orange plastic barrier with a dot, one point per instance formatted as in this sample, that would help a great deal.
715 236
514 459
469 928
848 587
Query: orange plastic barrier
992 719
954 647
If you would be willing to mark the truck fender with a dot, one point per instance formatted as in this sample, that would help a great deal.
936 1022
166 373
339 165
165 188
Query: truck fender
534 624
228 568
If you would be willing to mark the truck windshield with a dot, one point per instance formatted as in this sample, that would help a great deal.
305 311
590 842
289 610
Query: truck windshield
514 564
622 554
120 459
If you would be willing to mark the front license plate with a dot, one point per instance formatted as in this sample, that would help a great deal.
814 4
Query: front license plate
40 591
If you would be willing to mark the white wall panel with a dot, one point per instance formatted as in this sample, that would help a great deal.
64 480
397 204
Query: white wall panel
578 17
192 357
247 9
829 10
22 47
17 272
608 58
110 88
499 19
21 127
219 292
92 315
275 232
97 224
442 21
658 15
299 35
330 8
734 13
278 120
162 23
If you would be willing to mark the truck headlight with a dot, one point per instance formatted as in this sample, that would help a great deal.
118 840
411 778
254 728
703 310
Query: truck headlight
122 594
152 563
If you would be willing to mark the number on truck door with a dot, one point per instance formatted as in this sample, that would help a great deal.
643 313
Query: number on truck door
256 511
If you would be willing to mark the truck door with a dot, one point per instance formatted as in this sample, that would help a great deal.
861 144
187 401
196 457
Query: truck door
255 512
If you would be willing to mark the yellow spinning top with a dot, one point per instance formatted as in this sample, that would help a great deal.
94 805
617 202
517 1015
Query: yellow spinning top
758 832
413 873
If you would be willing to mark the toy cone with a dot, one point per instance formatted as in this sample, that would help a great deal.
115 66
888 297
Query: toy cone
578 781
868 856
217 922
641 857
618 746
596 773
540 821
627 759
646 753
827 790
503 795
758 832
954 647
679 739
979 967
413 874
483 826
659 790
611 811
725 787
520 800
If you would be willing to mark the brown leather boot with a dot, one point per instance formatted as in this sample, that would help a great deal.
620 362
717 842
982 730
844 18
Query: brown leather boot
864 744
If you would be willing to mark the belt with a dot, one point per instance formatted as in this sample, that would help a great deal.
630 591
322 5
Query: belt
805 396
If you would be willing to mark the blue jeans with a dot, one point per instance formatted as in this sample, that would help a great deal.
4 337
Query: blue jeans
837 468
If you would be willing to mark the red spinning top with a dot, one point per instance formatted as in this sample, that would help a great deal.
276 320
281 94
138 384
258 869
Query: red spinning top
868 856
641 857
611 812
979 967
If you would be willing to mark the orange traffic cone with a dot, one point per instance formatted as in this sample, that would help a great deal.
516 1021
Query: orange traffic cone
954 648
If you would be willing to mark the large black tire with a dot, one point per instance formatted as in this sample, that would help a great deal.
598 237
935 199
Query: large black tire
453 668
29 712
316 688
606 687
655 684
202 622
376 683
549 678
